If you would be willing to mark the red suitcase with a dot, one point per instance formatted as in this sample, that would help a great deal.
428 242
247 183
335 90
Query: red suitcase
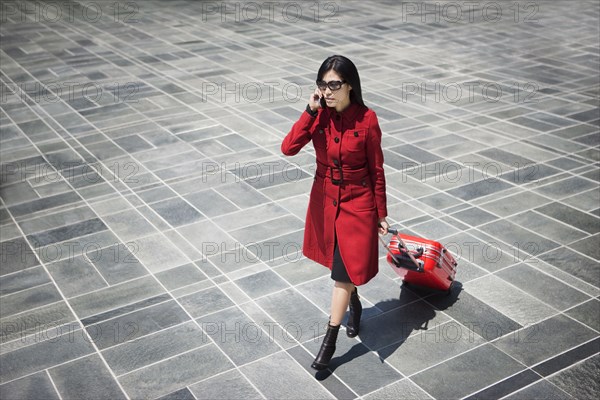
421 262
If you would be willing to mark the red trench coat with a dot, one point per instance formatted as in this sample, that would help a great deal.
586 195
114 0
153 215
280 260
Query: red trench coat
348 192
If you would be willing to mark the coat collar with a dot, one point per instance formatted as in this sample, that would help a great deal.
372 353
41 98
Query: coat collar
349 114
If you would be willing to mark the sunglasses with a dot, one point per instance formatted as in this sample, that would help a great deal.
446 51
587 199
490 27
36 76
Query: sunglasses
333 85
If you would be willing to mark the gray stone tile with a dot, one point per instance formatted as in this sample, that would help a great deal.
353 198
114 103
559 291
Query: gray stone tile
478 189
514 203
474 216
36 386
394 326
149 349
588 246
265 375
404 389
58 350
574 263
362 370
75 276
205 302
302 270
180 276
267 229
67 232
570 216
542 286
209 238
229 385
580 381
117 263
174 373
299 318
35 322
49 221
482 251
514 303
430 347
525 241
241 338
474 314
87 378
211 203
181 394
566 187
115 296
538 391
44 204
545 339
17 255
135 323
21 280
177 212
157 253
261 284
474 370
587 313
29 299
129 224
550 228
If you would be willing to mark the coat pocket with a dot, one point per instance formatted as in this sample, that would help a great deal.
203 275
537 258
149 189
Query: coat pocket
355 140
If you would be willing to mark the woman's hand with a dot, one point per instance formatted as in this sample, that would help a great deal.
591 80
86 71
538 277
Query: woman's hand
383 226
315 100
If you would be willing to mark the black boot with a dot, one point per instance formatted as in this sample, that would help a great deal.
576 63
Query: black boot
353 324
327 348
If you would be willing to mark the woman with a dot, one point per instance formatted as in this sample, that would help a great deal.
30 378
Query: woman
347 203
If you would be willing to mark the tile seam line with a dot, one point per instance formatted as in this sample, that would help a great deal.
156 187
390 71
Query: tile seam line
47 371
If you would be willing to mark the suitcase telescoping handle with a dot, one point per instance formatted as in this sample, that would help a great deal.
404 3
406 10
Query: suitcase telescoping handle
419 266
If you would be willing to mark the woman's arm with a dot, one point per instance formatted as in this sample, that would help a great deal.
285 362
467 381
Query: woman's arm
299 135
375 163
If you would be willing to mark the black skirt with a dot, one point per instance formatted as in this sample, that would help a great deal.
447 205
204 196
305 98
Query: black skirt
338 270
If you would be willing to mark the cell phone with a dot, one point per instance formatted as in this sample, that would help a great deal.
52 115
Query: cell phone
322 101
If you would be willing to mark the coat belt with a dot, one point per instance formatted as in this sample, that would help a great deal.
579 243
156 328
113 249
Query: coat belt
340 175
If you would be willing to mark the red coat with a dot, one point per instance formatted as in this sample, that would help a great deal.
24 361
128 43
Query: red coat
348 149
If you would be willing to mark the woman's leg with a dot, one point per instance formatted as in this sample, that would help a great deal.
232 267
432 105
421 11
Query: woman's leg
339 301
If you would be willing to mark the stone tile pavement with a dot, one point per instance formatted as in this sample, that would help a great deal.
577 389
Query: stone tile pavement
150 227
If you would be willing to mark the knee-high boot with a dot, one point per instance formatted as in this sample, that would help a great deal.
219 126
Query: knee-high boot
353 325
327 348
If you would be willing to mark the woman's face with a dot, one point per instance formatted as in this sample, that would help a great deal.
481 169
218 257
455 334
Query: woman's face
339 99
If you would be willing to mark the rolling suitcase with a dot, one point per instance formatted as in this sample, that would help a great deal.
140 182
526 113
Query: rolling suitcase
421 262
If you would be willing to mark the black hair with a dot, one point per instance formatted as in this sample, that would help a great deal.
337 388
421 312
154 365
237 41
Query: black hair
347 71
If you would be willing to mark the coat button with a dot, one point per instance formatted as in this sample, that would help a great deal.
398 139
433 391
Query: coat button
335 162
321 131
335 203
337 140
364 183
355 134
